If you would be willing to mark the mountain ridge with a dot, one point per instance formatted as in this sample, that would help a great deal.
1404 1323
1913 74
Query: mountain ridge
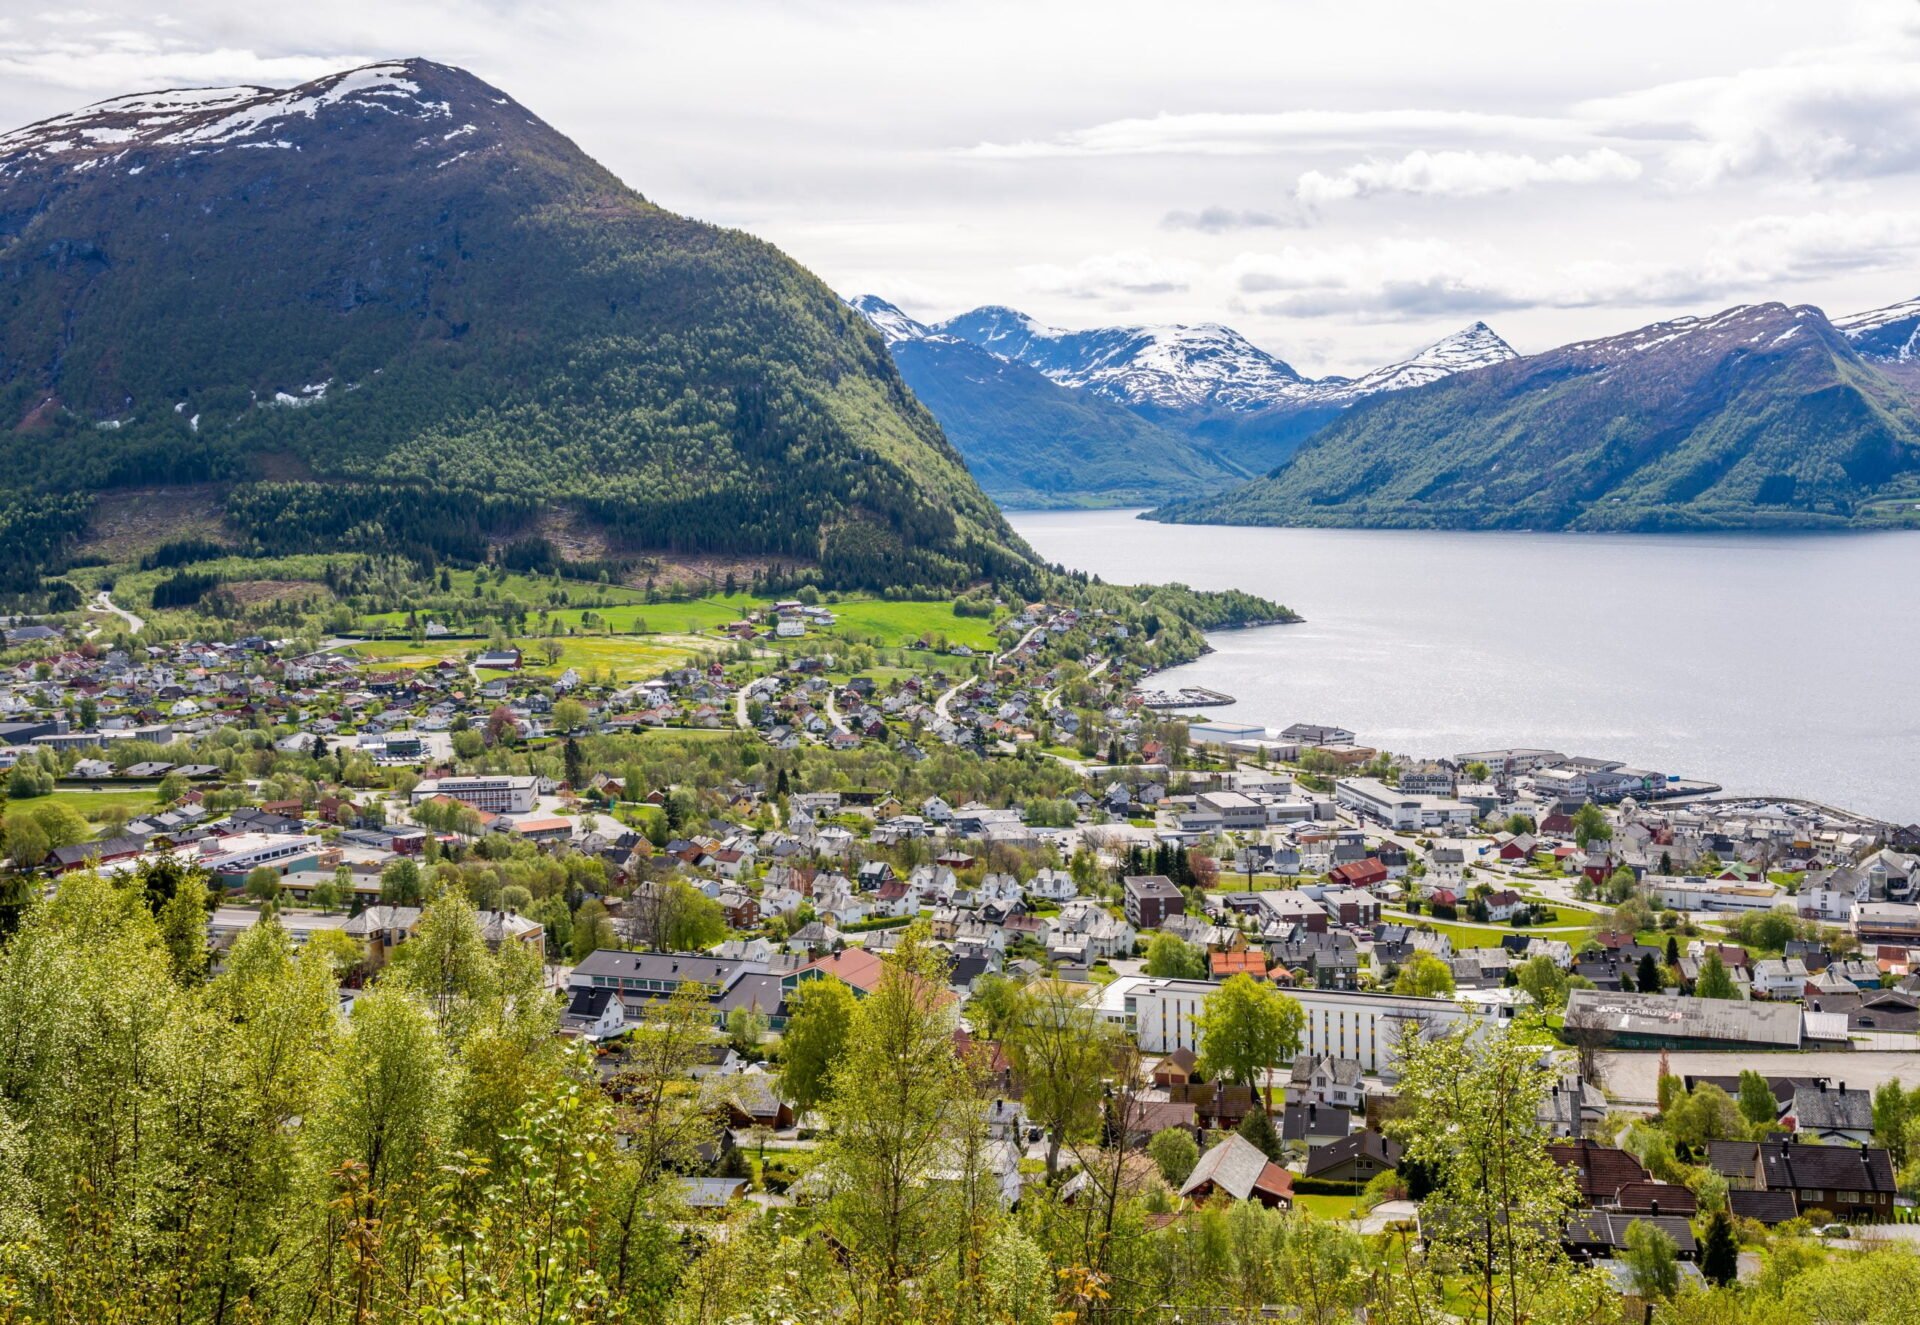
394 283
1218 409
1760 415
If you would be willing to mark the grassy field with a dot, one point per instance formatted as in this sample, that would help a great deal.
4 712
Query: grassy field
1327 1207
404 655
877 621
630 659
135 800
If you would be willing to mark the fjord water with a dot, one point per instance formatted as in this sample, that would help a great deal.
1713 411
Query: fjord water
1772 664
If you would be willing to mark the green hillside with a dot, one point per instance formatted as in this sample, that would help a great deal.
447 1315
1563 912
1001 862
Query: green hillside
414 316
1033 443
1761 417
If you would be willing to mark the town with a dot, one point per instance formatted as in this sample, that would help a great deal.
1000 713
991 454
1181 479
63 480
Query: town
1723 993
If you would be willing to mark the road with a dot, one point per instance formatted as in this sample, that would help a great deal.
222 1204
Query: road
833 713
103 602
740 709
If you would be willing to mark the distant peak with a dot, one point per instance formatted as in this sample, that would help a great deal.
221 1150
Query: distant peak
894 326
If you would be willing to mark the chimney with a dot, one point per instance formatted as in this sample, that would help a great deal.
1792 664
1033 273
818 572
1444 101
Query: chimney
1656 1209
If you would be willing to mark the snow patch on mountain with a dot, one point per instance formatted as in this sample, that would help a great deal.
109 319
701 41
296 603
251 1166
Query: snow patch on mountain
207 118
1890 333
1476 346
894 326
1178 367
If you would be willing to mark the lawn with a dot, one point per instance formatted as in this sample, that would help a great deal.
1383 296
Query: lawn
137 799
1327 1207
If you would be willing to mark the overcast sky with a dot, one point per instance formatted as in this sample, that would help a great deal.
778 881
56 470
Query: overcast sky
1342 182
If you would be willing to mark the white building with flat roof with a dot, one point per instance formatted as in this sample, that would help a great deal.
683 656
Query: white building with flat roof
496 794
1400 809
1163 1015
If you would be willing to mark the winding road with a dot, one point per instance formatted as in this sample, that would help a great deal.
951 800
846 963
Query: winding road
103 602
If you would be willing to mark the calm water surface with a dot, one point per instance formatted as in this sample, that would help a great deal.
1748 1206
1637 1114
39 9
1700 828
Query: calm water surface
1776 664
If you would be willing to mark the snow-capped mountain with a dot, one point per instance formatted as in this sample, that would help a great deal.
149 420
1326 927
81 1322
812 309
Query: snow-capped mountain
1207 366
1163 367
893 325
1890 334
193 121
1476 346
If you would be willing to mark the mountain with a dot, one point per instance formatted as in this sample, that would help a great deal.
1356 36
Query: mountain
1220 406
1164 368
1476 346
1889 339
393 308
1032 442
1760 416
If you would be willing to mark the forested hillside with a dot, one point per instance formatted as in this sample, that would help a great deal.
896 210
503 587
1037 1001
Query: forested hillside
1762 417
398 280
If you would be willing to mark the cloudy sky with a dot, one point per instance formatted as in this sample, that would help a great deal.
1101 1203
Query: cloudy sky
1341 182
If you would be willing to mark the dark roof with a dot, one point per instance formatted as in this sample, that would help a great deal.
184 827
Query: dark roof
1606 1228
1818 1108
1599 1171
1837 1168
1669 1197
1372 1145
1303 1120
1767 1207
589 1003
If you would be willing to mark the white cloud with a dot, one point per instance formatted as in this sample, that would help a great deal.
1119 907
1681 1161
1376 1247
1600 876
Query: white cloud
1218 220
1459 174
1255 134
1406 279
1826 120
1106 274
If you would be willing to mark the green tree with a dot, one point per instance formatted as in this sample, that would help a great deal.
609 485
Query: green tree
820 1017
1246 1027
1894 1114
1169 957
263 884
1647 977
1758 1106
1473 1121
1257 1127
1714 981
1652 1259
63 825
569 715
996 1003
1174 1152
401 883
1719 1251
1061 1052
1424 975
1590 825
901 1106
746 1027
27 842
183 927
1543 980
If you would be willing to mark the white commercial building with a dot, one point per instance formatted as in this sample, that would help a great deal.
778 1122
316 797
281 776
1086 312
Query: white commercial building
1162 1015
494 794
1400 809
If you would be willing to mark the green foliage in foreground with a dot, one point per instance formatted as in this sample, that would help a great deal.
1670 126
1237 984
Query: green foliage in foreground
231 1149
